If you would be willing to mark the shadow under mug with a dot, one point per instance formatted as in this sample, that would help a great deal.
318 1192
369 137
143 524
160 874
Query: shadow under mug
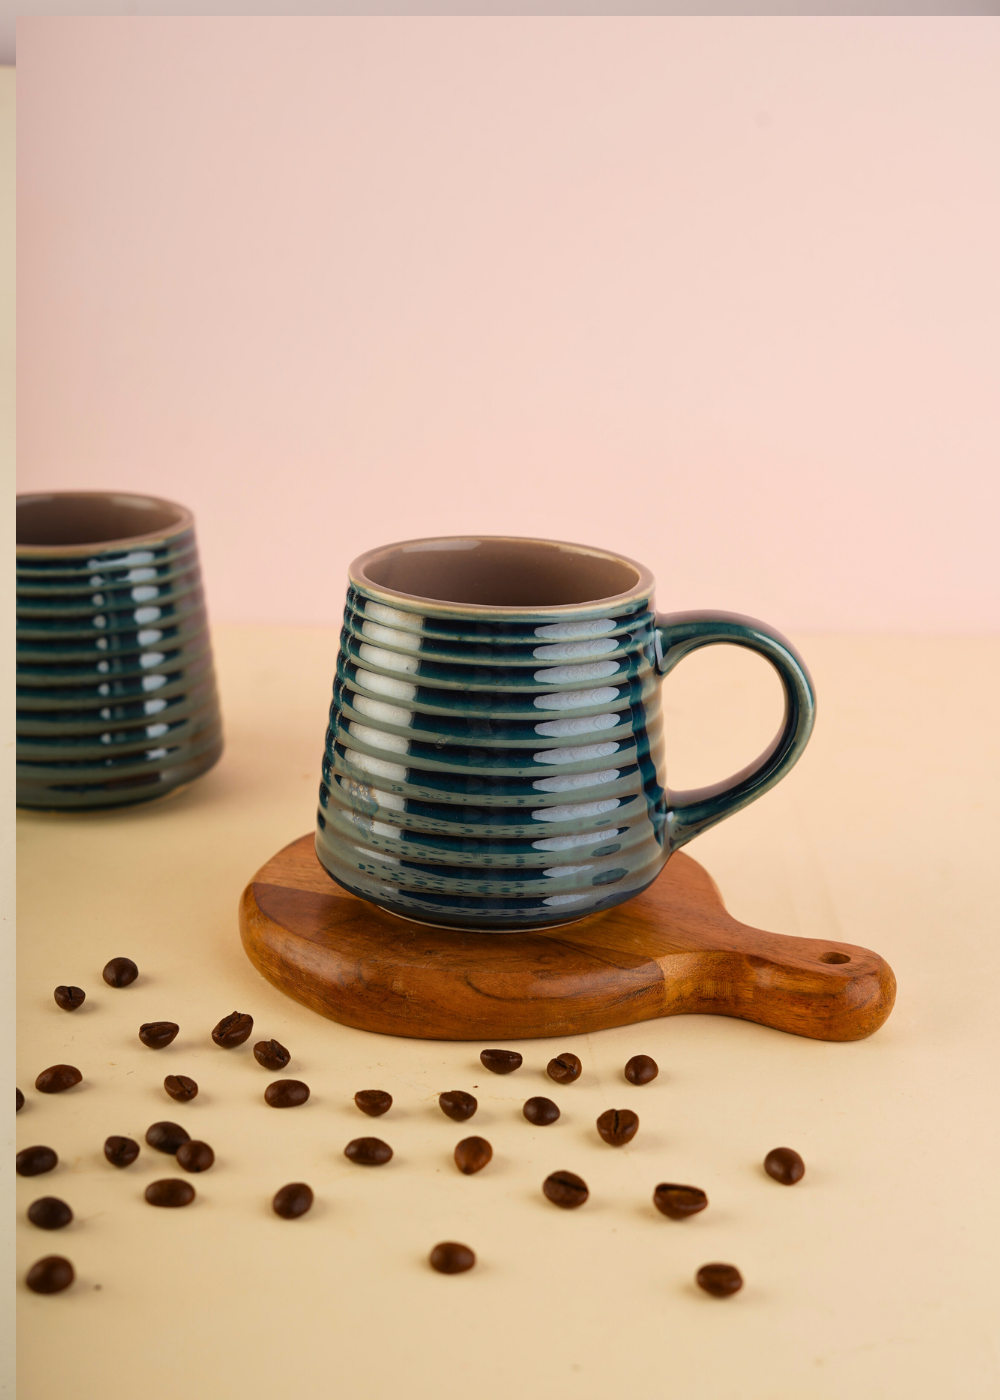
495 752
116 696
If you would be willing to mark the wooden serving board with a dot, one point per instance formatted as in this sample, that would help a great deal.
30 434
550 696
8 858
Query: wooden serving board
669 951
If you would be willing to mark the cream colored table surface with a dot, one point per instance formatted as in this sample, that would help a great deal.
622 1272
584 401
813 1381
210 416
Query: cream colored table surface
877 1276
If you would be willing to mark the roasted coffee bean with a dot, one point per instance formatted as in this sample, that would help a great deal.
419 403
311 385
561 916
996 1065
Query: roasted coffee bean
57 1078
721 1280
472 1154
195 1156
678 1202
166 1137
452 1258
565 1189
233 1030
541 1112
170 1192
641 1069
49 1213
69 998
500 1061
618 1126
50 1275
457 1104
121 1151
120 972
292 1200
32 1161
157 1034
374 1102
368 1152
271 1054
19 1100
784 1165
564 1068
179 1087
286 1093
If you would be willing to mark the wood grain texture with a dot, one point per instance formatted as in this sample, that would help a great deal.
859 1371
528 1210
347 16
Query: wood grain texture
672 950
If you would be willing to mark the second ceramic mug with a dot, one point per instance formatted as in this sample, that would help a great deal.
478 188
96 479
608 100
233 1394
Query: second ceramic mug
495 753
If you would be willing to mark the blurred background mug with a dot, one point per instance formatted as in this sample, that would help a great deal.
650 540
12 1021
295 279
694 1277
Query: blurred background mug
116 696
495 751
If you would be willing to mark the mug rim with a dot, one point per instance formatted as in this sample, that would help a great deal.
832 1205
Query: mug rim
642 589
184 521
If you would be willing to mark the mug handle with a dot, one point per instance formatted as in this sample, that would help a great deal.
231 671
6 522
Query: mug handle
689 813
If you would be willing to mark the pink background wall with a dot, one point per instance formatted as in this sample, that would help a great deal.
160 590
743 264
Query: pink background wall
722 294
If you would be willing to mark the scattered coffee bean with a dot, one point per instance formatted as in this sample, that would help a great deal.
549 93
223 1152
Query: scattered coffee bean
166 1137
618 1126
49 1213
541 1112
233 1030
195 1156
641 1069
286 1093
57 1079
170 1192
120 972
501 1061
32 1161
69 998
678 1202
121 1151
50 1275
784 1165
721 1280
457 1104
271 1054
472 1154
374 1102
564 1069
451 1258
368 1152
565 1189
19 1100
157 1034
292 1200
179 1087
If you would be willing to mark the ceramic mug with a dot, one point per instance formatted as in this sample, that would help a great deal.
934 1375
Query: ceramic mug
495 753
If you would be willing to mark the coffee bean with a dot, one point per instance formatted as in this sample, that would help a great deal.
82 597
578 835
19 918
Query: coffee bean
166 1137
271 1054
170 1192
50 1275
57 1079
784 1165
179 1087
233 1030
451 1258
565 1189
286 1093
374 1102
32 1161
292 1200
69 998
49 1213
157 1034
564 1068
678 1202
368 1152
641 1069
721 1280
457 1104
19 1100
120 972
541 1112
195 1156
618 1126
472 1154
121 1151
500 1061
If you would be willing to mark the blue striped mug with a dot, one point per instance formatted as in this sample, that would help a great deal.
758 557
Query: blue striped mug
495 753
